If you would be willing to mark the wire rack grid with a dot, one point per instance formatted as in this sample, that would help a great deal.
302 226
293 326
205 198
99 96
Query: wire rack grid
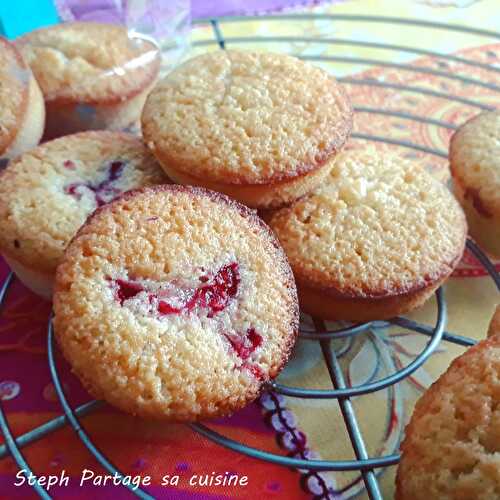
340 391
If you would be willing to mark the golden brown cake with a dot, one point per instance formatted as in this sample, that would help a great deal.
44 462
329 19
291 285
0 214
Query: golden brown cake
260 127
47 194
22 111
494 328
475 170
374 241
175 303
93 76
452 446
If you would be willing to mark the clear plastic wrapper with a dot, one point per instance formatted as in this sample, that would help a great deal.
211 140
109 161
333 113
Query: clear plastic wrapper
166 22
96 68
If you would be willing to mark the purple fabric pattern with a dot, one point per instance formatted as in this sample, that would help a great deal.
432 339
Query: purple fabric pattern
106 11
218 8
118 11
158 18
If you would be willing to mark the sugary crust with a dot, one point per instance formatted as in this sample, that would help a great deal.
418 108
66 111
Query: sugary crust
177 368
89 62
452 444
38 217
475 161
246 118
14 93
380 227
494 329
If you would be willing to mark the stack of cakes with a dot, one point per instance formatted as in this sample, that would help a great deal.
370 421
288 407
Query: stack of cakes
376 237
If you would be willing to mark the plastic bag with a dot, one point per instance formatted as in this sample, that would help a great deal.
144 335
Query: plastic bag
96 76
167 22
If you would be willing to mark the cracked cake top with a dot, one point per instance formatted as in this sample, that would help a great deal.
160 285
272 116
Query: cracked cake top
246 118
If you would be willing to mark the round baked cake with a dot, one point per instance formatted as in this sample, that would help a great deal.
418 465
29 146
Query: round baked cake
47 193
475 170
22 112
452 444
374 241
175 303
494 328
260 127
92 75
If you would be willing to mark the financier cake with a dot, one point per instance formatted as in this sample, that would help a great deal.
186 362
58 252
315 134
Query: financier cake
22 111
47 193
260 127
374 241
475 170
452 446
92 75
175 303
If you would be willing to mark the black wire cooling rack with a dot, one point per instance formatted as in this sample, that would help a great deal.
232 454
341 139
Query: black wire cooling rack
341 391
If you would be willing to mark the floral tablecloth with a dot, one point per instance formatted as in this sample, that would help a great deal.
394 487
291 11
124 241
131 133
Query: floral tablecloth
285 426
